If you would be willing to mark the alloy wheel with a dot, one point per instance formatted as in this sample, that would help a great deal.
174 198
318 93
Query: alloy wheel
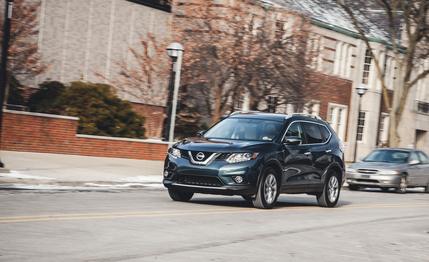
333 189
270 188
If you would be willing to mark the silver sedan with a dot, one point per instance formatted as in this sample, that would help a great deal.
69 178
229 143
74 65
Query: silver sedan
390 168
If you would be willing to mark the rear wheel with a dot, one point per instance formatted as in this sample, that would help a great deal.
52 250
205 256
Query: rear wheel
402 189
268 190
331 191
178 195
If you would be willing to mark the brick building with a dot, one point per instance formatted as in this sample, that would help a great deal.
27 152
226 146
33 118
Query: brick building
85 39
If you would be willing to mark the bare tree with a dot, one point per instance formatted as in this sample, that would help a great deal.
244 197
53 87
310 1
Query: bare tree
24 56
234 49
409 18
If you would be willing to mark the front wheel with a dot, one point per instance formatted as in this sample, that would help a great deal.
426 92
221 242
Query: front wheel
402 189
177 195
331 192
268 190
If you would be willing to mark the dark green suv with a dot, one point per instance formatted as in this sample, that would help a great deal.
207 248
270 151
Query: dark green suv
258 156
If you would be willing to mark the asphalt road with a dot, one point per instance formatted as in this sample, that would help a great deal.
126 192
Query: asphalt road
145 225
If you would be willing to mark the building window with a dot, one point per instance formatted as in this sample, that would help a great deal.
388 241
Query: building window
366 67
164 5
422 107
384 129
280 29
361 125
337 118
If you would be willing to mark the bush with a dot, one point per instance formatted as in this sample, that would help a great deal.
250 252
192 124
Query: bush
14 96
99 110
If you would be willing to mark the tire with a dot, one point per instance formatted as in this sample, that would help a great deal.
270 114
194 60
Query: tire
427 189
268 190
181 196
331 191
353 187
402 189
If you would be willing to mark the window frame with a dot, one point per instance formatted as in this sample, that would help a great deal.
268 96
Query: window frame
302 129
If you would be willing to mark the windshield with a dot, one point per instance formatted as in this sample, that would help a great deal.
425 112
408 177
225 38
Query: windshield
245 129
389 156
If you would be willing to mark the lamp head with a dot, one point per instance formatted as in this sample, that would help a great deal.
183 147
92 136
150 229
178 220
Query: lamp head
174 49
361 90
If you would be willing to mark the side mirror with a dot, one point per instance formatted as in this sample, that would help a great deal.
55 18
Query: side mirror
293 140
201 133
414 162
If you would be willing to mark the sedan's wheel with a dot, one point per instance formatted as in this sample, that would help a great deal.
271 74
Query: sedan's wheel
427 189
402 189
331 192
177 195
268 190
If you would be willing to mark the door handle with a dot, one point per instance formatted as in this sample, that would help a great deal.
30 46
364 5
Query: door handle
307 153
328 151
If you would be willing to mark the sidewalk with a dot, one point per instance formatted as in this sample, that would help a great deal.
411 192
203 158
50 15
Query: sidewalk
38 171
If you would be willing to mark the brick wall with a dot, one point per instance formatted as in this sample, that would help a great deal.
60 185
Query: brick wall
33 132
154 118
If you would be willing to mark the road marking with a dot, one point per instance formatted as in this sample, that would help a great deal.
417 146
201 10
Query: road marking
169 213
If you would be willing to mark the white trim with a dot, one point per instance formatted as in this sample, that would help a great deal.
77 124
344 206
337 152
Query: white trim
149 141
40 114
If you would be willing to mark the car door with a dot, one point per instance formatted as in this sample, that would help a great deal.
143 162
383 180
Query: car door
413 169
319 149
424 169
297 162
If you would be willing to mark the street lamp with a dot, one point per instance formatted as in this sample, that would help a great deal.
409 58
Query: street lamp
175 51
360 90
4 57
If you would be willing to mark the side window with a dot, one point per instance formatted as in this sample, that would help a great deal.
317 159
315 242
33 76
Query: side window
423 158
313 133
295 130
325 133
413 157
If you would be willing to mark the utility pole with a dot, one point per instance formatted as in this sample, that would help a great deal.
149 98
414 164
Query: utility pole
4 57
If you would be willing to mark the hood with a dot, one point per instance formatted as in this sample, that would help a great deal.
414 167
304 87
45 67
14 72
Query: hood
379 165
222 146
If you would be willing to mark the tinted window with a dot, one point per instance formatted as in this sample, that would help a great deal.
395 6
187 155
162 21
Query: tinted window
295 130
423 158
245 129
312 133
325 133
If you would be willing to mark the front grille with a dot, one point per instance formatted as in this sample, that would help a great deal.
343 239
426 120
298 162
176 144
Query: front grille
184 154
367 180
199 180
367 171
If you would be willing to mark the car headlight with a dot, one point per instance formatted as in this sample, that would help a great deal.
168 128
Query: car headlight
388 172
174 152
241 157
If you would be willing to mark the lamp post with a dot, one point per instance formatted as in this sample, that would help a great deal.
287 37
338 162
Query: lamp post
360 90
175 51
4 57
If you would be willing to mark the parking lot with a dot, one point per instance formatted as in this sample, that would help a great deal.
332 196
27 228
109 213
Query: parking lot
145 225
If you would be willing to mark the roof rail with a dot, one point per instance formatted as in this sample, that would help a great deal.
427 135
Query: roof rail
243 112
307 115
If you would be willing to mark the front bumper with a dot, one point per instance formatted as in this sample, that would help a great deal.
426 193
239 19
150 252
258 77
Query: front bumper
214 178
372 180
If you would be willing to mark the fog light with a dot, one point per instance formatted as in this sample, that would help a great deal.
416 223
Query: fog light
165 173
238 179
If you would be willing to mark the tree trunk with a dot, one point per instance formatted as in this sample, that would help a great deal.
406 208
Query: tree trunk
217 110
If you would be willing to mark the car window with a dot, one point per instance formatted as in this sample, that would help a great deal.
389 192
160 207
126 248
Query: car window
423 158
388 156
413 157
325 133
312 133
295 130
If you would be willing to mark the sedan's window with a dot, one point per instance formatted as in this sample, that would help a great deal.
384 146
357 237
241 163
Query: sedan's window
388 156
313 133
423 158
413 157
